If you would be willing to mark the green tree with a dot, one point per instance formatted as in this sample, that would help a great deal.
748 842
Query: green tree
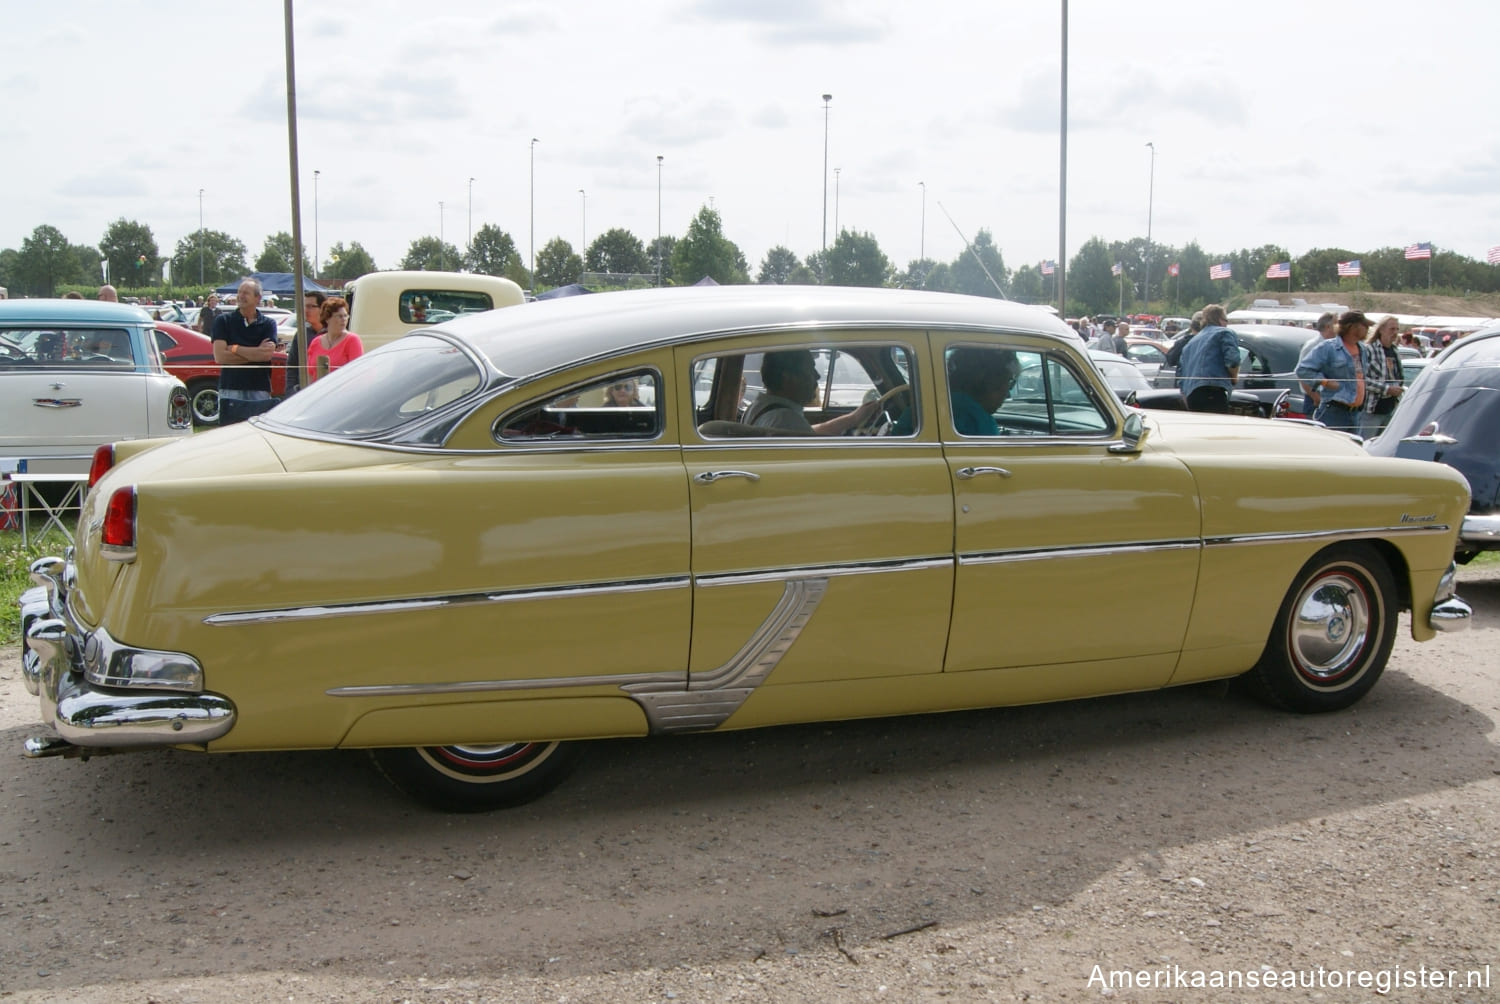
618 251
557 264
777 266
915 276
856 260
429 254
1092 288
9 263
491 251
132 254
659 255
347 263
1318 268
1193 287
90 272
970 278
277 255
705 251
223 259
46 260
1028 285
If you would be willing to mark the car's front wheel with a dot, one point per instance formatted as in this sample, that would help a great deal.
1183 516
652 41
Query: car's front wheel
479 778
204 396
1333 633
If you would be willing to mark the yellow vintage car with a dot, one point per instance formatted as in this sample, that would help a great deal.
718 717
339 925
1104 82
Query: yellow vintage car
487 542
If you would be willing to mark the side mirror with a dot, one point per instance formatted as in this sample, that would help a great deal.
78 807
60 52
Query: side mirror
1133 435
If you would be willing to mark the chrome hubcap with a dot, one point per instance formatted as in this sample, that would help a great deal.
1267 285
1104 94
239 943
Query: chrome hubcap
1331 628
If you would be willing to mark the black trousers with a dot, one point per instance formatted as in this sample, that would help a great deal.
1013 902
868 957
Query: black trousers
1214 399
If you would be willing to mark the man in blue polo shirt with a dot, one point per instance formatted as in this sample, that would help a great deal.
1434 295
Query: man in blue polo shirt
244 342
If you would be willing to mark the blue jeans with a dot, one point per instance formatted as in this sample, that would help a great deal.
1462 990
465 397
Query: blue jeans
1339 416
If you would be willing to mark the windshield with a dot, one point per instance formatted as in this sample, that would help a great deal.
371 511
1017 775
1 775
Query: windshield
381 391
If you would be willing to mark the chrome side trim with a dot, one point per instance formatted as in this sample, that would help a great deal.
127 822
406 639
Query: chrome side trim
433 602
1351 533
484 686
710 698
821 571
1092 550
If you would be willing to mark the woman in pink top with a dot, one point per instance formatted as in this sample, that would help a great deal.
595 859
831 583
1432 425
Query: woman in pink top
337 343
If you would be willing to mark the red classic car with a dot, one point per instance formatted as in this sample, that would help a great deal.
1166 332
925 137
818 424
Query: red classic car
190 358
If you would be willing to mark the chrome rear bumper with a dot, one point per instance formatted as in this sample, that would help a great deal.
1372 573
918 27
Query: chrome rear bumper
94 717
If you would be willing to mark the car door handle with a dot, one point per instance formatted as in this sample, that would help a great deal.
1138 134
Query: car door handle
709 477
970 473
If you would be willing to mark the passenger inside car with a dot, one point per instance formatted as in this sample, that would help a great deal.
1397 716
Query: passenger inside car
791 380
979 380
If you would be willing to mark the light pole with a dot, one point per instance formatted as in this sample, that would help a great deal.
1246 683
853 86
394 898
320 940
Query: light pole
583 215
836 231
1062 175
922 246
471 215
658 219
533 212
442 252
826 98
1150 201
200 236
315 226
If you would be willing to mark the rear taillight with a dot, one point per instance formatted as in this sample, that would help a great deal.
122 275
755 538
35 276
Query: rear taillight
118 533
179 409
104 459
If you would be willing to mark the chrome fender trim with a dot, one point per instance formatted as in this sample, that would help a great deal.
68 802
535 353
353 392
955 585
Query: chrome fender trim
710 698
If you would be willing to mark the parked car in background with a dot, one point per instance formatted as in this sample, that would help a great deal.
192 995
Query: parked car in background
485 570
1451 414
1150 354
75 374
190 357
386 305
1132 387
1268 367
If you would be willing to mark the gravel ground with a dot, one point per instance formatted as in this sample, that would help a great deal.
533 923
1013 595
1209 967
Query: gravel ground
1000 855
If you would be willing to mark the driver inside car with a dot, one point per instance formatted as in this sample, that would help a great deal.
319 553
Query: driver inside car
791 380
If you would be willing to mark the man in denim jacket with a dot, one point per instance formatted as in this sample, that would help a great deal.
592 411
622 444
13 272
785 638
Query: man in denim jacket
1336 368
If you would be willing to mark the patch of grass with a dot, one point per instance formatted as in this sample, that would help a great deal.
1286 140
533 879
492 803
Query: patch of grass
1485 558
14 579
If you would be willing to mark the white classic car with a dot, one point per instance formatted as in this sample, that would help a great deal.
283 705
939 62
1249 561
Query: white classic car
75 374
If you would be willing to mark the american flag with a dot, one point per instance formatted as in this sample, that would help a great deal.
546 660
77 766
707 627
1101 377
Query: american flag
1279 270
1048 267
1494 256
1417 252
1223 270
1172 268
1116 268
1349 267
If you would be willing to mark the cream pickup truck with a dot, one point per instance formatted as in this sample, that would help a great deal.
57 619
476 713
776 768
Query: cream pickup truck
384 306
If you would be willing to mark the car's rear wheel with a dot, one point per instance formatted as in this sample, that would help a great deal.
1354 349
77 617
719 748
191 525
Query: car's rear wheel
204 396
479 778
1333 633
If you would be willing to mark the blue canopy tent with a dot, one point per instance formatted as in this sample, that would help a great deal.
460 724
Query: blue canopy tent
275 284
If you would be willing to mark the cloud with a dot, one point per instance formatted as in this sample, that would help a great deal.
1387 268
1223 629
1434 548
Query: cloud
679 124
792 22
1130 95
103 185
1479 177
389 100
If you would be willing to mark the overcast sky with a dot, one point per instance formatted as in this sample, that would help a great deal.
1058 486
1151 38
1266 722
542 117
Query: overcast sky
1312 123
